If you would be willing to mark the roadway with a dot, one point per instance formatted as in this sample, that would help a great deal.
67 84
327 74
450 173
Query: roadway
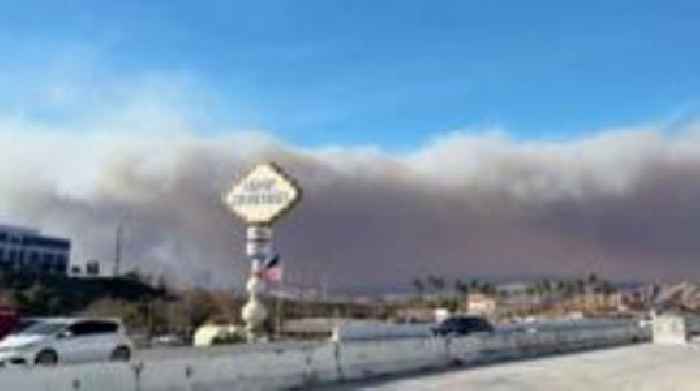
633 368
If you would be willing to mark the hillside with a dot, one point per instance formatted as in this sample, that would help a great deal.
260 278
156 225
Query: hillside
55 295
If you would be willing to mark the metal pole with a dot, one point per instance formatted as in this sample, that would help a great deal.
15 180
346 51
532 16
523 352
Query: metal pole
118 249
258 248
278 310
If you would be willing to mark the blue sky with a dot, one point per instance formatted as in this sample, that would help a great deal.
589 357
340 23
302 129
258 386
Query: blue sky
392 73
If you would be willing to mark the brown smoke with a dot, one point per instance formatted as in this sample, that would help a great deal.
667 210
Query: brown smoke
624 203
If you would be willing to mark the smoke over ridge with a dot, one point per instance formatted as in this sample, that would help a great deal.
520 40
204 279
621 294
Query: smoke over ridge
624 203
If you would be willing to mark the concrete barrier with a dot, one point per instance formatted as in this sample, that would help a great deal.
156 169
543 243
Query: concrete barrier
284 366
670 330
324 365
363 359
103 377
265 370
470 350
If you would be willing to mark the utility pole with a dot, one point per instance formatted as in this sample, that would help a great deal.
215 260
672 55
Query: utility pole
324 287
278 312
118 249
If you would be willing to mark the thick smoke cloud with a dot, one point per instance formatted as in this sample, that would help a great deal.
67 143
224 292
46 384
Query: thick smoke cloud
623 203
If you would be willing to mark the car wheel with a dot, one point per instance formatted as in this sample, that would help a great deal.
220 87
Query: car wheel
46 358
121 353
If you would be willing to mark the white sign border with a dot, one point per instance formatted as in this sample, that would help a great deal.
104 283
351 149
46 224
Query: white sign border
284 211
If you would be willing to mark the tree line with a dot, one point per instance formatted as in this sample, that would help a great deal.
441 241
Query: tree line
565 287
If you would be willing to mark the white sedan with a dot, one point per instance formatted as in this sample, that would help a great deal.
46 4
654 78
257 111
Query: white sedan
51 341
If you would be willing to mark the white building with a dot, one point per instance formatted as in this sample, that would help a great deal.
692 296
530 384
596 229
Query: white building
480 304
27 249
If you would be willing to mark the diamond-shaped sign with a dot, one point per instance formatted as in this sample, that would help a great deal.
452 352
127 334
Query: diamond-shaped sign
263 195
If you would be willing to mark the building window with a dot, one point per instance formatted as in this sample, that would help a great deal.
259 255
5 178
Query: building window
61 265
29 249
4 262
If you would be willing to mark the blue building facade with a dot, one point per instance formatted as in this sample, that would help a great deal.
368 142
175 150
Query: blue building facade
27 249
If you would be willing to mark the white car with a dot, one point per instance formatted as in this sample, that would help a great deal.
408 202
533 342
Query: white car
52 341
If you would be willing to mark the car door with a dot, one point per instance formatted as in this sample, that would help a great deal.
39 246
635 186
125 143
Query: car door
485 327
73 346
86 341
105 339
469 326
451 326
478 326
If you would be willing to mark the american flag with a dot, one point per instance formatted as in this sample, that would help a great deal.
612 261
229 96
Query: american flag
272 269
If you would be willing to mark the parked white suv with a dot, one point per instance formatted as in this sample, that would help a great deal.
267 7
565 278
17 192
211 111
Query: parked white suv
53 341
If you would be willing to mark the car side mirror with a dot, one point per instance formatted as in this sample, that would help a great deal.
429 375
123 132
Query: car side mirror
64 334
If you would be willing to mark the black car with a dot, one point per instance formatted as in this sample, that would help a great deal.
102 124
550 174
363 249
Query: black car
462 325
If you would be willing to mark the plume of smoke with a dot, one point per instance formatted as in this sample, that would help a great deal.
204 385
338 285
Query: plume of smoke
623 203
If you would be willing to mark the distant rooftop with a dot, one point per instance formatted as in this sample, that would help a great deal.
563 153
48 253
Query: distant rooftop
18 229
27 231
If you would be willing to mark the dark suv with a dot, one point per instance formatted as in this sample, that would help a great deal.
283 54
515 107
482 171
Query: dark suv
462 325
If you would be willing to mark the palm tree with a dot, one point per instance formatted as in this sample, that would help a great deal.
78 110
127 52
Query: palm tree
561 286
607 288
440 284
489 288
475 286
593 279
571 287
547 285
437 282
461 287
419 286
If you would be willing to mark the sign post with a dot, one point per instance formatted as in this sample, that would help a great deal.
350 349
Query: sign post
260 198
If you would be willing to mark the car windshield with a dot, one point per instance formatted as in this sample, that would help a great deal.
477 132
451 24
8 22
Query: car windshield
44 328
23 324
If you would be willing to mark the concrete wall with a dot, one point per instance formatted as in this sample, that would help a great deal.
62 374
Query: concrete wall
294 366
